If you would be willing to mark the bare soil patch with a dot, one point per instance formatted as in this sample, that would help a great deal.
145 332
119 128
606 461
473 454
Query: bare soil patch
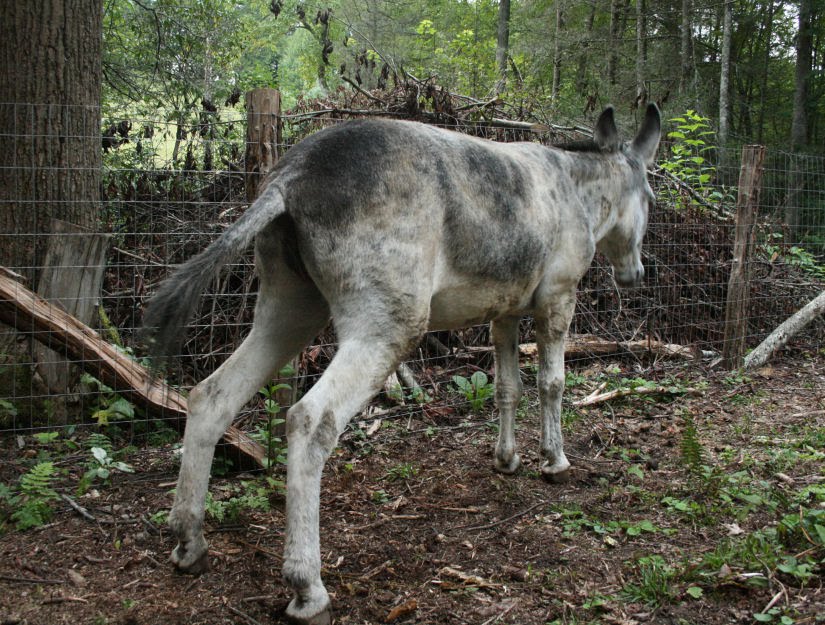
417 528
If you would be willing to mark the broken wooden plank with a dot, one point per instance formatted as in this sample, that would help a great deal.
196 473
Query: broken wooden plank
49 324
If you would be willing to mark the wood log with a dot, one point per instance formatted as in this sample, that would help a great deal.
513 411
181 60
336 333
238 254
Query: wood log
587 345
787 329
49 324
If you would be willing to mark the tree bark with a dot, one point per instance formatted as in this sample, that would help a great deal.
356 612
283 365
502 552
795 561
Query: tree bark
503 43
556 55
686 37
799 123
641 52
50 162
613 52
50 59
736 310
724 74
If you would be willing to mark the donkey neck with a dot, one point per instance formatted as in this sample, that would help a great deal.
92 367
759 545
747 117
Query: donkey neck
601 182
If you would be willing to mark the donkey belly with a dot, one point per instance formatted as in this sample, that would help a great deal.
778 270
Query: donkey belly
464 305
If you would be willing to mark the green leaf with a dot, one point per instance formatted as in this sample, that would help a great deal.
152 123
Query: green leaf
479 379
763 618
636 471
122 407
695 592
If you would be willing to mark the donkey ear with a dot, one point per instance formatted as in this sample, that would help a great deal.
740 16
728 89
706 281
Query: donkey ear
605 135
647 140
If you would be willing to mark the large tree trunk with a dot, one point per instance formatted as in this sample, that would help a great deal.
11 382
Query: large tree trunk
50 162
50 59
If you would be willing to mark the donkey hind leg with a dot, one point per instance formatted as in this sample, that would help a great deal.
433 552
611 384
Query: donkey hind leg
551 331
508 392
280 330
313 425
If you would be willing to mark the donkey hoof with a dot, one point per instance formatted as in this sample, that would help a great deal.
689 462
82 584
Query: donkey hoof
555 477
185 561
507 468
298 616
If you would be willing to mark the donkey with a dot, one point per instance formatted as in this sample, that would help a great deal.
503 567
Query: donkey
392 228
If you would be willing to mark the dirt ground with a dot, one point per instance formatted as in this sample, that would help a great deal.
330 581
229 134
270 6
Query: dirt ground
417 528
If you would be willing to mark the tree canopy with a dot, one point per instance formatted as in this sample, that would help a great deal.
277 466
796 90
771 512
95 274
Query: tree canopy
565 59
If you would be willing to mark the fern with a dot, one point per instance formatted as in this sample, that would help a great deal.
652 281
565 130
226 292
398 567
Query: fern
691 448
32 507
96 439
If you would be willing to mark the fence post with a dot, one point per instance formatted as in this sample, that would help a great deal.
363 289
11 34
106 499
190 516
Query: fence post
747 204
263 137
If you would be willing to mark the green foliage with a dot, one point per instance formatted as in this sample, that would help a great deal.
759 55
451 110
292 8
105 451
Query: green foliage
574 521
404 471
110 405
794 255
477 390
101 466
653 585
246 497
690 446
688 161
266 434
31 506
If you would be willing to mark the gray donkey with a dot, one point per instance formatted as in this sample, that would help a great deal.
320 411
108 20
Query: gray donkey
390 229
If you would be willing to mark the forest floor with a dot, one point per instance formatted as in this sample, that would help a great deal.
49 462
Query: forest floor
701 502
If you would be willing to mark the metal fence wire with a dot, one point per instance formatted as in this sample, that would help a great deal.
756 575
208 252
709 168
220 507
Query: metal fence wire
169 189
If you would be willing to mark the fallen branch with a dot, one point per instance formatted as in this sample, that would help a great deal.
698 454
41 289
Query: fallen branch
588 345
30 314
596 398
786 330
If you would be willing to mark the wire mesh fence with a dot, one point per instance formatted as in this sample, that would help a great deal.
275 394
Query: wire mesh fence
169 188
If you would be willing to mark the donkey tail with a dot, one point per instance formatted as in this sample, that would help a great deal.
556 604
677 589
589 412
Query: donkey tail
175 302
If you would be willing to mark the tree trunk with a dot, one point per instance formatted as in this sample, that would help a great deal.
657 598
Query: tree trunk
50 59
724 76
50 163
799 124
641 52
503 43
686 37
613 52
557 55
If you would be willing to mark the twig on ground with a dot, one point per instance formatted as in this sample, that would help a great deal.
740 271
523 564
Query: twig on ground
243 615
475 528
79 509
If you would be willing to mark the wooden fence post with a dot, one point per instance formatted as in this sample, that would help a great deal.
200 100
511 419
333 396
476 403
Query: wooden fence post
263 138
747 204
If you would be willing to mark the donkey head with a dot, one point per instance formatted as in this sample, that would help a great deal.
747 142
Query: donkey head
622 243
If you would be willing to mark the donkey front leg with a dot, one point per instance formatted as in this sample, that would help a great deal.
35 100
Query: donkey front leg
551 331
508 392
